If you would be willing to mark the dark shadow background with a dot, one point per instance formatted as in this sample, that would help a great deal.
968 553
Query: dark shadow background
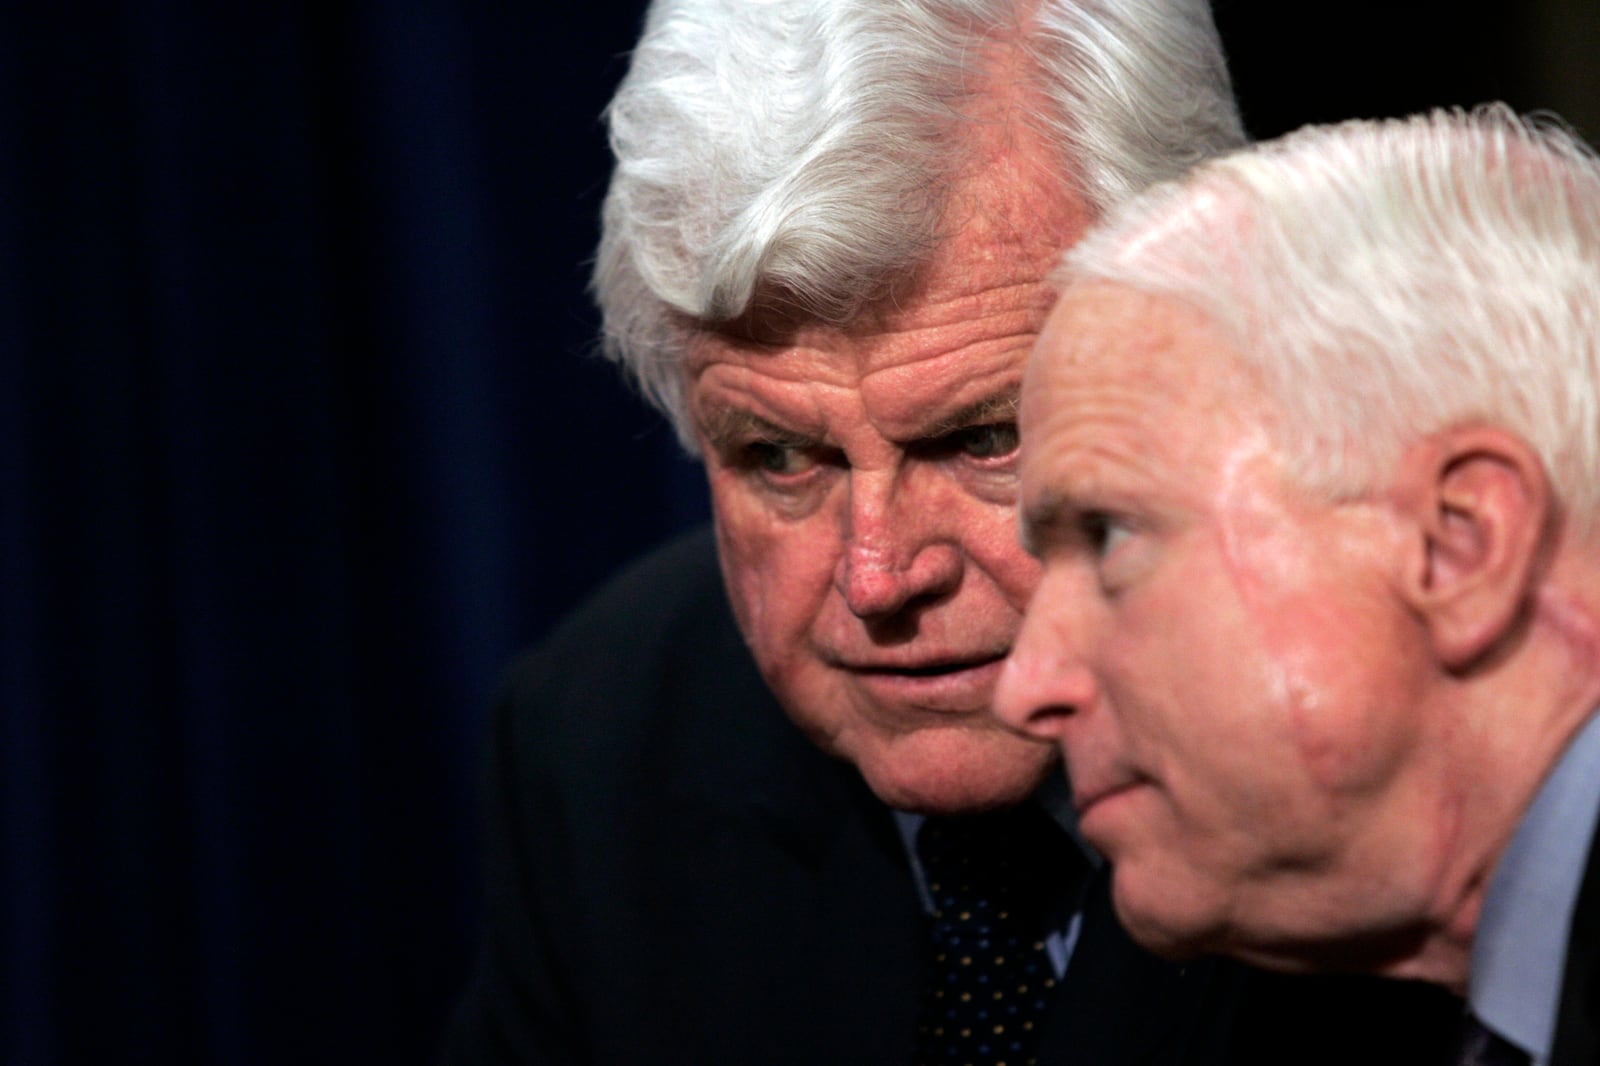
302 439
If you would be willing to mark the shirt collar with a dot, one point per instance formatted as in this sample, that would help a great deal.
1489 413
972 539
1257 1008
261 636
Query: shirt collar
1055 796
1519 949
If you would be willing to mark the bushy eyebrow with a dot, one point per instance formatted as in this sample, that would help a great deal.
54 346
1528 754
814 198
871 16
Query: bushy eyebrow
999 407
725 426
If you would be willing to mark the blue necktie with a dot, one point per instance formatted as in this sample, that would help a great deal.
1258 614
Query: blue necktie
999 882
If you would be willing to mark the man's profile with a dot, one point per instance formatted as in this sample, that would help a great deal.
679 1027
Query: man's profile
1312 456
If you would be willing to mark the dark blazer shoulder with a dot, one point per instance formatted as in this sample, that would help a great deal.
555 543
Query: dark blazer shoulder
649 801
651 665
666 608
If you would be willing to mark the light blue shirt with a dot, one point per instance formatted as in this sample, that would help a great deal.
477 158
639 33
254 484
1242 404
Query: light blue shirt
1519 951
1056 799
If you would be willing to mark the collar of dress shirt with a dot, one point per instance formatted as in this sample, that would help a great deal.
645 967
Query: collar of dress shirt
1055 796
1519 950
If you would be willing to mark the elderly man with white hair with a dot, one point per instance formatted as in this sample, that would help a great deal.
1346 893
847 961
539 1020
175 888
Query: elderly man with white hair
751 805
1312 465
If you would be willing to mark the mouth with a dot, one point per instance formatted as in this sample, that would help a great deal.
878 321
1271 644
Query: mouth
962 684
931 669
927 663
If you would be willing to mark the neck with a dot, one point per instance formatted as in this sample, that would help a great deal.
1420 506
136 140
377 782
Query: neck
1512 723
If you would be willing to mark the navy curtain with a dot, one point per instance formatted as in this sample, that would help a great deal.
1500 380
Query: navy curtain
301 438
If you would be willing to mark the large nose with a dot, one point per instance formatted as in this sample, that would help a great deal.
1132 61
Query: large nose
899 549
1046 680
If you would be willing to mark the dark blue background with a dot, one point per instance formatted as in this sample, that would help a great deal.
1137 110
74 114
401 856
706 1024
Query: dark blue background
301 437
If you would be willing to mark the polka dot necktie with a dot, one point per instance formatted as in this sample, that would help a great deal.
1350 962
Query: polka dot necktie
998 882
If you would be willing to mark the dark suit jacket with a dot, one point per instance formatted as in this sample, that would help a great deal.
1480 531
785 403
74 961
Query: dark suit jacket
676 875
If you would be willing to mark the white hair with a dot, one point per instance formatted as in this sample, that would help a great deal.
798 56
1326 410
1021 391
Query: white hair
1386 280
804 149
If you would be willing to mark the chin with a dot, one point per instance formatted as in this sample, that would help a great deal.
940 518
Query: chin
948 773
1169 921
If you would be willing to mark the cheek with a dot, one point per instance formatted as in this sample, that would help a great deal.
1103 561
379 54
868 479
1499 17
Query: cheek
1350 711
1335 644
989 539
1340 657
778 571
1199 702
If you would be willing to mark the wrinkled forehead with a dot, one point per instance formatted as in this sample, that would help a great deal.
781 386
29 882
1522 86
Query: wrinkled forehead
907 384
973 320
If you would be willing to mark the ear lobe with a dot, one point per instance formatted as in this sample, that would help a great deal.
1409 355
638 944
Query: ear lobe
1482 506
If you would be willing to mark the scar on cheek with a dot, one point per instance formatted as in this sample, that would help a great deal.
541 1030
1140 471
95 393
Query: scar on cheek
1248 523
1575 625
1261 555
1264 559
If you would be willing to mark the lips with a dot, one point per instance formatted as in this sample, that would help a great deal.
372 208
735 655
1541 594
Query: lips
942 684
927 667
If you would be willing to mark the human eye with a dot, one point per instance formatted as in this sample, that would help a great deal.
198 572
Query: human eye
981 455
992 440
986 440
776 458
1102 533
983 443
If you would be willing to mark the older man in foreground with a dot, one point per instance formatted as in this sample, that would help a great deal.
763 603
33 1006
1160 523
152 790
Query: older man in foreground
751 804
1312 464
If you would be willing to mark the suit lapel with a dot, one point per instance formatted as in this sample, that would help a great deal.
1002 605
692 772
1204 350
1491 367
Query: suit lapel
841 910
807 911
816 928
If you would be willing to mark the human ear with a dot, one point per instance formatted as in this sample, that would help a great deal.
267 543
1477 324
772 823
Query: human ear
1481 504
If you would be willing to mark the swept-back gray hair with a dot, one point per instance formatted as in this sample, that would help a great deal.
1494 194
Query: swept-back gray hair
807 146
1386 280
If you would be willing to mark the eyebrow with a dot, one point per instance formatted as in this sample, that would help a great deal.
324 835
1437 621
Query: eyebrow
1001 406
724 425
1042 518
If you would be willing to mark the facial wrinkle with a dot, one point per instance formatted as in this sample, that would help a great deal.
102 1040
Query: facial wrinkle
1259 549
